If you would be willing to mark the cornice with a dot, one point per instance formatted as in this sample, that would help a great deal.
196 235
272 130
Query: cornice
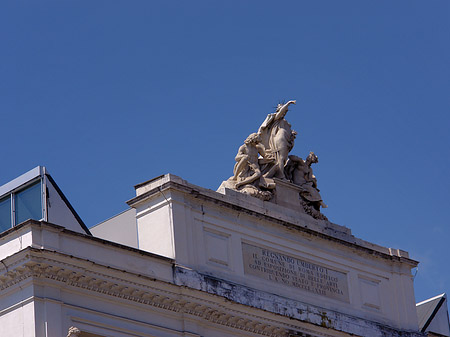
42 266
294 309
61 229
219 199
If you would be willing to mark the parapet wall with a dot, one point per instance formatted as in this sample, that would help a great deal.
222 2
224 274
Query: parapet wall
277 252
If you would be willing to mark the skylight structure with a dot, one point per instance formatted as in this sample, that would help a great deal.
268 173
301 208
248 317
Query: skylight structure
35 195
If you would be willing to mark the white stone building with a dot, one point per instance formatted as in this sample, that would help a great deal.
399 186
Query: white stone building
188 261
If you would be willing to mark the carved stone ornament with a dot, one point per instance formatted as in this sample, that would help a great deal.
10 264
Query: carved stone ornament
264 158
42 266
73 332
163 299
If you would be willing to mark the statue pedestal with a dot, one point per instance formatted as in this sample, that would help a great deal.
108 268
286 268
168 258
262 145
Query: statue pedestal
287 194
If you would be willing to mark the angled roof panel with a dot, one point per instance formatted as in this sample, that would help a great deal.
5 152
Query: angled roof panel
432 315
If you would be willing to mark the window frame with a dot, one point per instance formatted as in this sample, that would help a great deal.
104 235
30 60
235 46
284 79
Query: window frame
11 194
4 198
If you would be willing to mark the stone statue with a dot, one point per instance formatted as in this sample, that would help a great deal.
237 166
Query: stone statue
73 332
278 139
299 172
264 168
247 170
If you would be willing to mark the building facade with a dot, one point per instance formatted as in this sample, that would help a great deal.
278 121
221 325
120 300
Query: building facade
188 261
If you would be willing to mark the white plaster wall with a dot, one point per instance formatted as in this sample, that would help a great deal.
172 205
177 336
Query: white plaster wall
208 238
119 259
48 317
66 288
18 320
15 242
95 251
392 286
121 228
155 227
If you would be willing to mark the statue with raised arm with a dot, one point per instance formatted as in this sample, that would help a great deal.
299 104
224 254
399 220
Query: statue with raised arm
299 172
265 170
278 139
73 332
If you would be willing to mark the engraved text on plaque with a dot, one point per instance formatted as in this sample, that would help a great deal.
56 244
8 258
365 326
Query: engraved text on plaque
293 272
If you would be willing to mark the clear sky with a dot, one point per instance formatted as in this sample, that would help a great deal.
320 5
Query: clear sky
108 94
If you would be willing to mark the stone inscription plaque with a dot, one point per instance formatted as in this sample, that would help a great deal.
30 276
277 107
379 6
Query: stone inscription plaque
293 272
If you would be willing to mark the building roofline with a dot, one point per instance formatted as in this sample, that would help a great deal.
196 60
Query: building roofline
435 311
149 181
68 204
38 171
168 182
112 217
431 299
30 223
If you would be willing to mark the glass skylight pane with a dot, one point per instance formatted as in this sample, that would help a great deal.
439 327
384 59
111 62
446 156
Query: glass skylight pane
28 203
5 214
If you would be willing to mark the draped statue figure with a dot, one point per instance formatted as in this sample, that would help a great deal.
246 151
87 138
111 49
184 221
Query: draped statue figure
278 139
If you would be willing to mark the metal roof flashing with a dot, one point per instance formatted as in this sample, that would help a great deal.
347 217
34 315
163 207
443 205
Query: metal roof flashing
38 171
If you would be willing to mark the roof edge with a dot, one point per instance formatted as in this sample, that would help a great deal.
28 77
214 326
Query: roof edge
66 201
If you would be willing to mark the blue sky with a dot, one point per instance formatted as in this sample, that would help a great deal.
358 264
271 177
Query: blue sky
107 94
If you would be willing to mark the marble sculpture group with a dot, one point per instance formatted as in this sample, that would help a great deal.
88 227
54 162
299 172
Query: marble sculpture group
264 158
